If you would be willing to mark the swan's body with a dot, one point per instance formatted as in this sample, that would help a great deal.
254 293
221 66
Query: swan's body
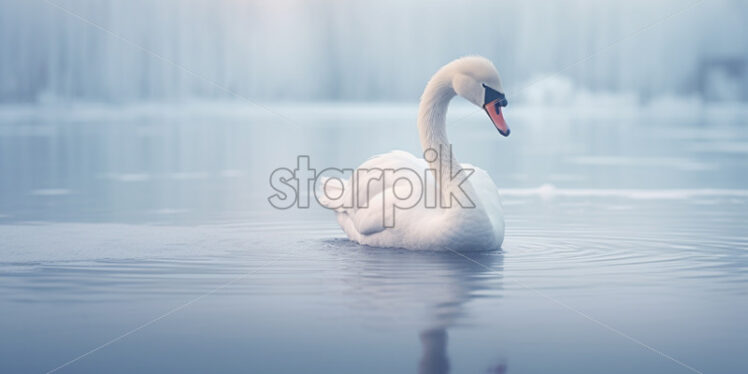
473 222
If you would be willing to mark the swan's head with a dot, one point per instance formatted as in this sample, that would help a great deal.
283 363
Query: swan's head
476 79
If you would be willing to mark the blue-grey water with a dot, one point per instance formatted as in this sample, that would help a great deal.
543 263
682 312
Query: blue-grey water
141 240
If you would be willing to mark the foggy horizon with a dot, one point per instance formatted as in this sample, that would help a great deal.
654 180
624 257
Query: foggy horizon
351 51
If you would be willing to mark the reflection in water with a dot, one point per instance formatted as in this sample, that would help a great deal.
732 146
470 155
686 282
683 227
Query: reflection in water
468 278
434 359
426 289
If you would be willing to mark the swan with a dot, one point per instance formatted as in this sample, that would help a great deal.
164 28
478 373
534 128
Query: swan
433 202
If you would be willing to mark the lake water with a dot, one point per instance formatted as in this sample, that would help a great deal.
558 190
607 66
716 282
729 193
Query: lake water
141 240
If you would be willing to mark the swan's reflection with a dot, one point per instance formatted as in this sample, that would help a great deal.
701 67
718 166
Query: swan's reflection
428 289
434 359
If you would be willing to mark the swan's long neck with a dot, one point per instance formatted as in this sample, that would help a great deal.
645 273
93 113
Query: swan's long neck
432 128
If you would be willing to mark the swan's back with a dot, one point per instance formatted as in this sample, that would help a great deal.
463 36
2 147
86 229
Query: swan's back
363 213
418 227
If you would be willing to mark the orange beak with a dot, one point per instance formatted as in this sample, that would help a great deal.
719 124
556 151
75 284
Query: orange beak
494 112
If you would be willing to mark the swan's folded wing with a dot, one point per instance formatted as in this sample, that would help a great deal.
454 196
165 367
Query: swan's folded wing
383 208
332 192
370 220
368 213
368 177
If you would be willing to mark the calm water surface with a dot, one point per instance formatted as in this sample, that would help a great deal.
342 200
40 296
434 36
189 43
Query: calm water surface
148 231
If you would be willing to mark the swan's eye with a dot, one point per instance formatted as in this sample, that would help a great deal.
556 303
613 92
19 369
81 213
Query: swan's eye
493 95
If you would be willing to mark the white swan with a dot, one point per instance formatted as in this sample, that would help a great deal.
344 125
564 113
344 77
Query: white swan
469 215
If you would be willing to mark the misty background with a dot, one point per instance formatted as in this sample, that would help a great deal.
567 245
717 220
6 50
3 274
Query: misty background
329 50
